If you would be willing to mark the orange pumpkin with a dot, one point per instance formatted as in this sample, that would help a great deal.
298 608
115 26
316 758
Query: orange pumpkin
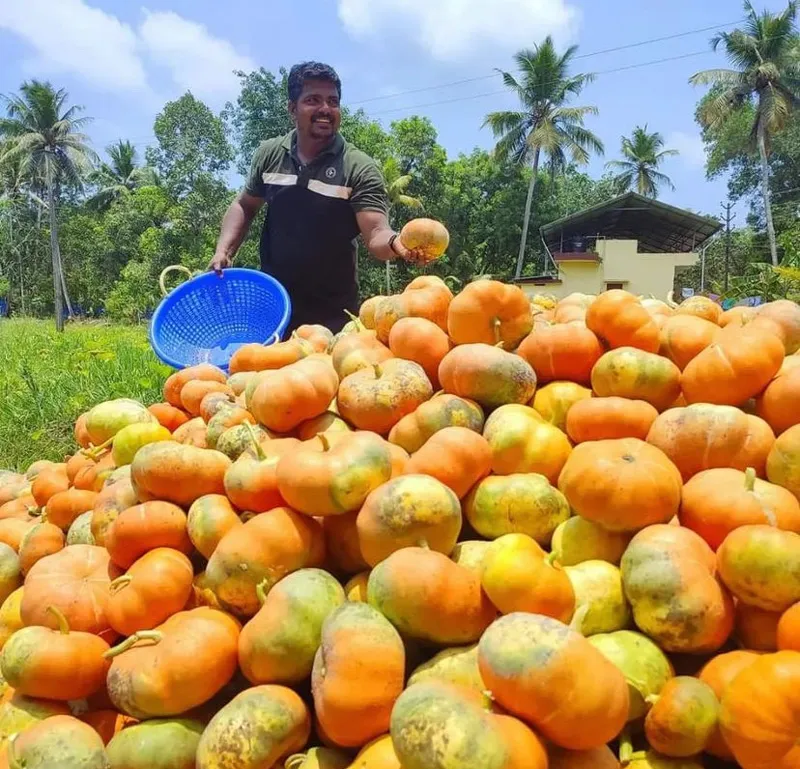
60 740
12 531
366 313
573 308
618 317
154 588
22 508
737 316
361 349
597 419
93 477
169 416
213 403
594 758
175 382
700 307
63 508
624 484
378 398
41 540
76 463
755 628
562 351
490 312
196 390
48 483
341 544
554 400
58 664
108 504
263 357
684 337
421 341
787 634
81 433
107 723
627 372
424 297
282 399
192 433
783 316
146 527
185 662
427 237
209 519
715 502
318 336
704 436
779 404
74 580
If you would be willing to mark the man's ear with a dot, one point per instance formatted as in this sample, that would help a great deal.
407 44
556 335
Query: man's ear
292 107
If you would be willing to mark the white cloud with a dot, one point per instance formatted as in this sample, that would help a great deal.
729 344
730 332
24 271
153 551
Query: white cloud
69 36
195 58
452 29
690 146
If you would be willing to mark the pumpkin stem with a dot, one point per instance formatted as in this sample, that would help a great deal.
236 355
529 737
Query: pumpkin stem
94 452
625 747
11 753
496 324
119 582
578 617
295 761
749 479
551 560
63 625
359 325
325 441
260 455
376 367
261 593
652 699
143 635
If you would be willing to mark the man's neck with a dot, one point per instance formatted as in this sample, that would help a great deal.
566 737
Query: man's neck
309 149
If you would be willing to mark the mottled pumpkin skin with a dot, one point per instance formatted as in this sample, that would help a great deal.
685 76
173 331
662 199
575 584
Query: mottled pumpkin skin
210 518
352 352
703 436
597 586
255 729
522 442
683 719
756 629
366 313
577 540
488 375
618 317
11 574
759 565
428 597
10 619
517 577
787 635
267 547
322 758
236 440
161 743
783 461
630 373
358 674
554 401
59 741
527 661
106 419
669 578
193 433
109 503
19 713
561 352
423 342
715 502
343 553
414 429
470 554
700 307
407 511
457 666
684 337
597 419
278 645
784 315
521 503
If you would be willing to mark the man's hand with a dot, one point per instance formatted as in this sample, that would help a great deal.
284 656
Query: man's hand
413 256
220 262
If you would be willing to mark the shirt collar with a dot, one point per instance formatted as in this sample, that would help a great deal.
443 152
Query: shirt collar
289 143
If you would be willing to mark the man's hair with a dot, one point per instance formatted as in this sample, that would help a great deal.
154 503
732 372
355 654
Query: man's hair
311 70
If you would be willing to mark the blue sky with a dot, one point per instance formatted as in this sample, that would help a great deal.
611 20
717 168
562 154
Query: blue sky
123 60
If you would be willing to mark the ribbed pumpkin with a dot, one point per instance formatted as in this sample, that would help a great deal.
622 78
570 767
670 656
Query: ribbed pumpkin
782 316
638 375
358 350
561 352
684 337
193 393
210 518
63 508
779 404
110 502
573 307
263 357
421 341
193 433
700 307
176 382
169 416
597 419
41 540
554 401
366 313
577 540
618 317
427 296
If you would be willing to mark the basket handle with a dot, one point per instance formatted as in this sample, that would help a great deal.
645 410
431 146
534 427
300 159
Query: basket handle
276 337
166 271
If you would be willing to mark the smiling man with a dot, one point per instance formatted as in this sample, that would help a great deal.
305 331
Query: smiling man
321 193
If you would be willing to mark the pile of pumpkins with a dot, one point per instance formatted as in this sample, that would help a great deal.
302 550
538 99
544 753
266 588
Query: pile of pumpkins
466 532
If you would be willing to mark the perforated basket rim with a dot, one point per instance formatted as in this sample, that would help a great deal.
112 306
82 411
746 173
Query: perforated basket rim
191 285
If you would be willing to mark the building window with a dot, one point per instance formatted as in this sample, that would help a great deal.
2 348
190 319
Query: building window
609 286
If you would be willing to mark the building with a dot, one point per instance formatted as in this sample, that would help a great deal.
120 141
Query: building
629 242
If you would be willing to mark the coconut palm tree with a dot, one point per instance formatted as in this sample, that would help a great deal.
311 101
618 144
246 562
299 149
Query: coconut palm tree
120 175
397 183
765 74
545 123
643 153
45 134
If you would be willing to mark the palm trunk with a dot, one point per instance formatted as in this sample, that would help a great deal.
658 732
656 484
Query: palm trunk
526 221
762 151
54 251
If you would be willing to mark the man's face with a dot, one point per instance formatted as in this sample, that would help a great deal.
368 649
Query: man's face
317 112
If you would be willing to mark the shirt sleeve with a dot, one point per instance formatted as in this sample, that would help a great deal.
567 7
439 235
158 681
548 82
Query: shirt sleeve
255 182
369 191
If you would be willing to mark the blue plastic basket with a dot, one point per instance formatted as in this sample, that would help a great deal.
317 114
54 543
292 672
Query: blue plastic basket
207 318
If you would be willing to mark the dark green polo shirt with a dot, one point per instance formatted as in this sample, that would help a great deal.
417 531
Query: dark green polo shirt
309 237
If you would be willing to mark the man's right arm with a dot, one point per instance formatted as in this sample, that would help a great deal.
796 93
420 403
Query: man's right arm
235 225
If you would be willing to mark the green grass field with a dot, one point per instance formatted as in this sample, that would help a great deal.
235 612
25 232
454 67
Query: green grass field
48 379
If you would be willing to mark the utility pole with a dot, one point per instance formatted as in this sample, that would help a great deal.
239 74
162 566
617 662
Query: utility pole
728 219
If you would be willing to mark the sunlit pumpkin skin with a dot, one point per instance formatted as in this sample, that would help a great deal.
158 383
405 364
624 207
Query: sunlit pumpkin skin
110 502
64 507
169 416
55 664
783 462
424 297
488 375
48 483
490 312
154 588
787 635
528 679
577 540
680 603
518 577
176 382
441 411
594 758
343 553
80 433
316 334
42 540
412 510
184 662
215 402
779 404
193 393
428 237
355 589
284 398
330 477
210 518
759 565
715 502
737 366
618 317
11 575
106 419
22 508
554 401
457 666
223 421
76 463
263 357
366 313
328 422
704 436
278 645
428 597
40 465
522 442
700 307
756 629
377 398
267 547
376 754
75 580
456 456
10 619
573 307
236 440
520 503
160 743
421 341
358 674
624 484
362 349
638 375
784 315
598 419
758 710
94 477
59 741
12 530
600 603
684 337
192 433
561 352
145 527
131 438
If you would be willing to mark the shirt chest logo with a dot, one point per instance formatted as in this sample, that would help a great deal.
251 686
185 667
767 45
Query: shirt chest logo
330 172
